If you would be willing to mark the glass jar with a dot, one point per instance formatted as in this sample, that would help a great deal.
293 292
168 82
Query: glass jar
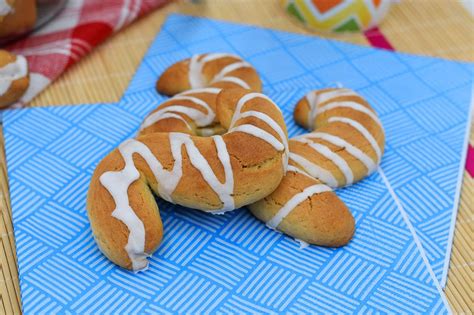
19 17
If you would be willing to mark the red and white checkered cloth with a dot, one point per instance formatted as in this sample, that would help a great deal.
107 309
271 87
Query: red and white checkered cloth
82 25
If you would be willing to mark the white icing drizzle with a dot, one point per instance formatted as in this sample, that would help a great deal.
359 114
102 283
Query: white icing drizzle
270 122
195 72
260 133
267 119
294 202
118 182
356 152
243 100
237 81
314 170
333 157
209 90
359 127
171 111
200 118
11 72
320 102
206 132
327 95
229 68
352 105
312 99
165 115
223 190
5 8
302 243
205 119
315 98
196 64
295 169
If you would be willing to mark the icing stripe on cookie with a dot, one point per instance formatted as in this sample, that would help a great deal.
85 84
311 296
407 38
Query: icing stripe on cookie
294 202
229 68
295 169
209 90
200 118
333 157
351 105
180 144
118 183
359 127
260 133
315 98
351 149
314 170
237 81
245 99
197 62
162 116
270 122
267 119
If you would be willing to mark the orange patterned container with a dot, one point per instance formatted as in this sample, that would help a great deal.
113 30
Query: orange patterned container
338 15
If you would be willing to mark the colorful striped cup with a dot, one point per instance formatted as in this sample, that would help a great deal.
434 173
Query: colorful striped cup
338 15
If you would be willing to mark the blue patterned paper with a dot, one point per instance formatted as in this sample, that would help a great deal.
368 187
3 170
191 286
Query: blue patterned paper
232 263
206 264
424 101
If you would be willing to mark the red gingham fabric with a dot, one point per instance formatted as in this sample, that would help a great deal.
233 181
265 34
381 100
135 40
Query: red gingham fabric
82 25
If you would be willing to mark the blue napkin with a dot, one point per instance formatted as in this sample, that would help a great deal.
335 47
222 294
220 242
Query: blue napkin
206 263
425 103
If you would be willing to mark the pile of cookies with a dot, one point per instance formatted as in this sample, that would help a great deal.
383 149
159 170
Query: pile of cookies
219 144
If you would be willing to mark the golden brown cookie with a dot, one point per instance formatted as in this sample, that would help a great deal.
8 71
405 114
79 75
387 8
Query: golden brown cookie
18 16
6 7
347 139
219 70
307 210
345 146
214 174
192 112
14 77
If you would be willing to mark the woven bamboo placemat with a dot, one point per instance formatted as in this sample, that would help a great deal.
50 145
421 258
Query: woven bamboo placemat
441 28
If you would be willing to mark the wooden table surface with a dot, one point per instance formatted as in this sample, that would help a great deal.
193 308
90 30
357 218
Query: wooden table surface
441 28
